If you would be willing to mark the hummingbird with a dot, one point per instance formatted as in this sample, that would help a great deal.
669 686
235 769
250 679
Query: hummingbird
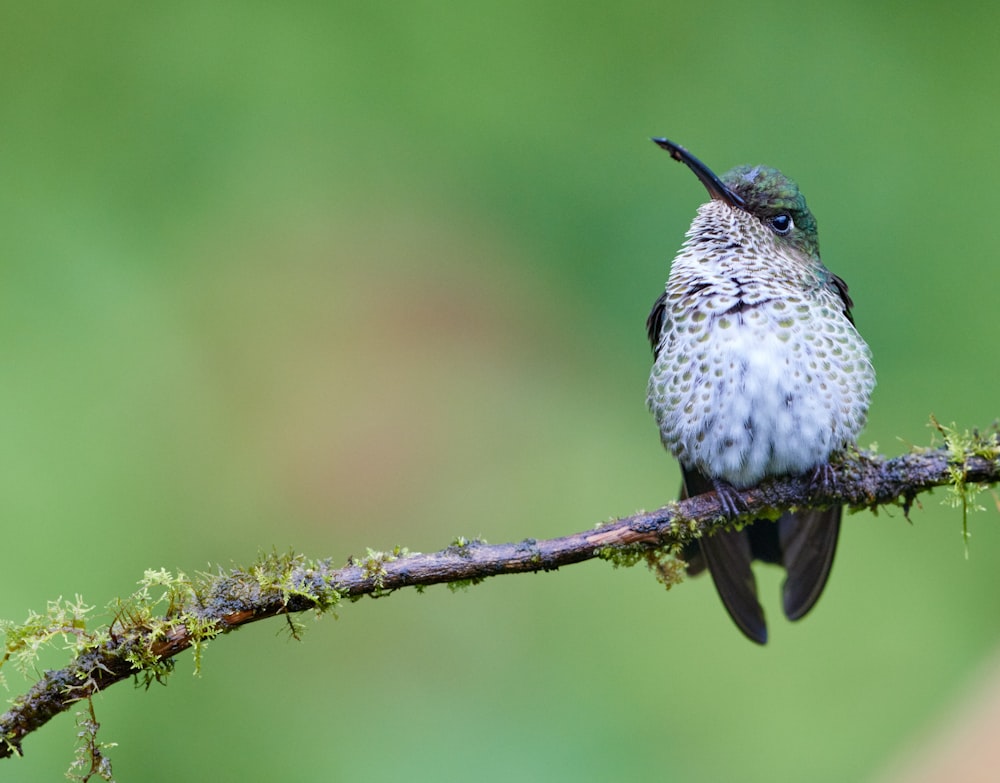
758 372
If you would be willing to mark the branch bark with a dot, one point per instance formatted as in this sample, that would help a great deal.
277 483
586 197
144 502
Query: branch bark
277 586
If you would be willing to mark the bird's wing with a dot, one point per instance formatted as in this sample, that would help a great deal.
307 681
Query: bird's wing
841 288
654 324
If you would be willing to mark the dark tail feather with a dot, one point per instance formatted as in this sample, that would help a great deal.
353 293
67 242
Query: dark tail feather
803 542
728 555
808 541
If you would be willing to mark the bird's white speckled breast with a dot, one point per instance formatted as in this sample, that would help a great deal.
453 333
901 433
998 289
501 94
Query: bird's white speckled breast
759 371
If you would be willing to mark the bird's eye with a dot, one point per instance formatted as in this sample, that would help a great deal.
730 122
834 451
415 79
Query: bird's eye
781 224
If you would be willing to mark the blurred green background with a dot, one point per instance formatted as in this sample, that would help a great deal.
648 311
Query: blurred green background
342 275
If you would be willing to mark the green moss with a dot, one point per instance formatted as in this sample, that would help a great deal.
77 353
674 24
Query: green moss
666 562
300 581
201 631
91 759
373 567
463 547
64 623
166 613
961 446
623 556
460 585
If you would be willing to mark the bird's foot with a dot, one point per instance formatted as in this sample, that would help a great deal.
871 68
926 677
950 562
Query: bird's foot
823 480
729 498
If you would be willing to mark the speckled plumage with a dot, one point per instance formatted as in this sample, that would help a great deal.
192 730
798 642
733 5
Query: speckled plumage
759 372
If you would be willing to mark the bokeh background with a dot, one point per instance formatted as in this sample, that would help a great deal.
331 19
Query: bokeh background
329 276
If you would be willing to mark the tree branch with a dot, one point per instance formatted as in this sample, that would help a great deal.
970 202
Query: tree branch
137 644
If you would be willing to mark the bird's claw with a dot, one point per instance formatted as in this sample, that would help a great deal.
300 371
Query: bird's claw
729 498
823 480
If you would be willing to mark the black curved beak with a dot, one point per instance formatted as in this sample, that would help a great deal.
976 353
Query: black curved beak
711 182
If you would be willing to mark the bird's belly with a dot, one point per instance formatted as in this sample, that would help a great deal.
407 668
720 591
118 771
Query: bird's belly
751 400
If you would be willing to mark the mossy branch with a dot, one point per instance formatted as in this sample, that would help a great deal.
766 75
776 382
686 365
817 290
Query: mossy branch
141 644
